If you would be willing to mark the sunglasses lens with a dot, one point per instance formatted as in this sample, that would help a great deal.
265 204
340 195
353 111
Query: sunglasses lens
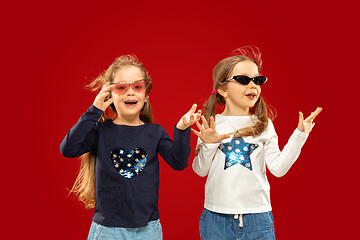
140 86
260 80
120 88
244 80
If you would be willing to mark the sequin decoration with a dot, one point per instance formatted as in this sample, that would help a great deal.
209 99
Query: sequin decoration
238 151
129 163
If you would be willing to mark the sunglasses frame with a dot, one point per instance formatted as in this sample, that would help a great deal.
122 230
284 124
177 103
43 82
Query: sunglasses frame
129 83
250 79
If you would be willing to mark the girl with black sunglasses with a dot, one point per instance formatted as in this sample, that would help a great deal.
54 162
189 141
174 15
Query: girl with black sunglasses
234 149
119 173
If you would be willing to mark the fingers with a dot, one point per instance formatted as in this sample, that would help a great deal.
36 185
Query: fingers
102 96
197 116
301 117
185 122
193 108
105 91
109 102
317 111
200 127
190 118
206 125
196 132
310 118
103 100
107 88
190 122
307 124
212 122
313 114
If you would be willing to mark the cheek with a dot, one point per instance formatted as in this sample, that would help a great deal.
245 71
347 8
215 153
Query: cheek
259 90
236 89
142 96
116 97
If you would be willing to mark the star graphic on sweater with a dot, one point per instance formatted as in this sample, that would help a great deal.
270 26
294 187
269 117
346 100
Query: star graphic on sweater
238 151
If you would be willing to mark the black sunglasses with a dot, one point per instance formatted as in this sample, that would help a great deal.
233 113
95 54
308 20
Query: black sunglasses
245 80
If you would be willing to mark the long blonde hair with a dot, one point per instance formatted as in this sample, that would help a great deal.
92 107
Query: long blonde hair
223 71
84 186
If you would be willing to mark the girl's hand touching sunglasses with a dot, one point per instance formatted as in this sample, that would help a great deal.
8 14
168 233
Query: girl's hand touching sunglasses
102 100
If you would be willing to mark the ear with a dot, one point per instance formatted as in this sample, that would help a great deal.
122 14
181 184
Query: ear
147 98
222 91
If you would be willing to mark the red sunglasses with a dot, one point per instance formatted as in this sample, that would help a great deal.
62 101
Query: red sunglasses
138 86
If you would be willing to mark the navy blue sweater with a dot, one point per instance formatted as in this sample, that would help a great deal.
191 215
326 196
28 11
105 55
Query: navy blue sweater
127 165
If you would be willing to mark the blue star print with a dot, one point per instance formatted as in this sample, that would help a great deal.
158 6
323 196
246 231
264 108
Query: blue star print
238 151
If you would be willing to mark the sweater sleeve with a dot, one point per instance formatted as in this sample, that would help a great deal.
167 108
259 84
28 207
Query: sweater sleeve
82 137
279 162
176 153
203 160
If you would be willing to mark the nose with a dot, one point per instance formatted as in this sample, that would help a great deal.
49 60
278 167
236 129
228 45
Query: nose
130 91
252 84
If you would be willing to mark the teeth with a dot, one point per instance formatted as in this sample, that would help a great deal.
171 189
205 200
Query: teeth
130 102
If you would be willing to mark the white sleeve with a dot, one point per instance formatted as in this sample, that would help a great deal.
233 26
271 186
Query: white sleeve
203 160
279 162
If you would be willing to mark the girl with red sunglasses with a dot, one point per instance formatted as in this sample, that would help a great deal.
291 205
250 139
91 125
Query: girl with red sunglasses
119 173
235 148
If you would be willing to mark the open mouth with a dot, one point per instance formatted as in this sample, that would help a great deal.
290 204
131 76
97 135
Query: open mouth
130 102
252 95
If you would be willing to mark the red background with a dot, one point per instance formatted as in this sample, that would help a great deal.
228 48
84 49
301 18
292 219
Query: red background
51 50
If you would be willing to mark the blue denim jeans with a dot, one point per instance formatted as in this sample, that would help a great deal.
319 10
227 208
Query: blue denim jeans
215 226
152 231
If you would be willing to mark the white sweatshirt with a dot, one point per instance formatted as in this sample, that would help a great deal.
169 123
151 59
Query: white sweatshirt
237 182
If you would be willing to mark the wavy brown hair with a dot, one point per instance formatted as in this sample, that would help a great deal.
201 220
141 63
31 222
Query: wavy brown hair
223 71
84 187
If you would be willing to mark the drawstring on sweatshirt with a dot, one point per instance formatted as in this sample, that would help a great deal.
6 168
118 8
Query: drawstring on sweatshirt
240 217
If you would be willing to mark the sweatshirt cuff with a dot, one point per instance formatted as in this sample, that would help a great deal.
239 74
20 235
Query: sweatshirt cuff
93 113
211 145
94 109
182 131
300 135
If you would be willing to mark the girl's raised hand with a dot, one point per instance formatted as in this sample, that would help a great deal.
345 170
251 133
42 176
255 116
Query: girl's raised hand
307 124
208 133
99 101
189 118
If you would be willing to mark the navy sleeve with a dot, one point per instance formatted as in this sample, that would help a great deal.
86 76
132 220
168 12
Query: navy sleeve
176 153
82 137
